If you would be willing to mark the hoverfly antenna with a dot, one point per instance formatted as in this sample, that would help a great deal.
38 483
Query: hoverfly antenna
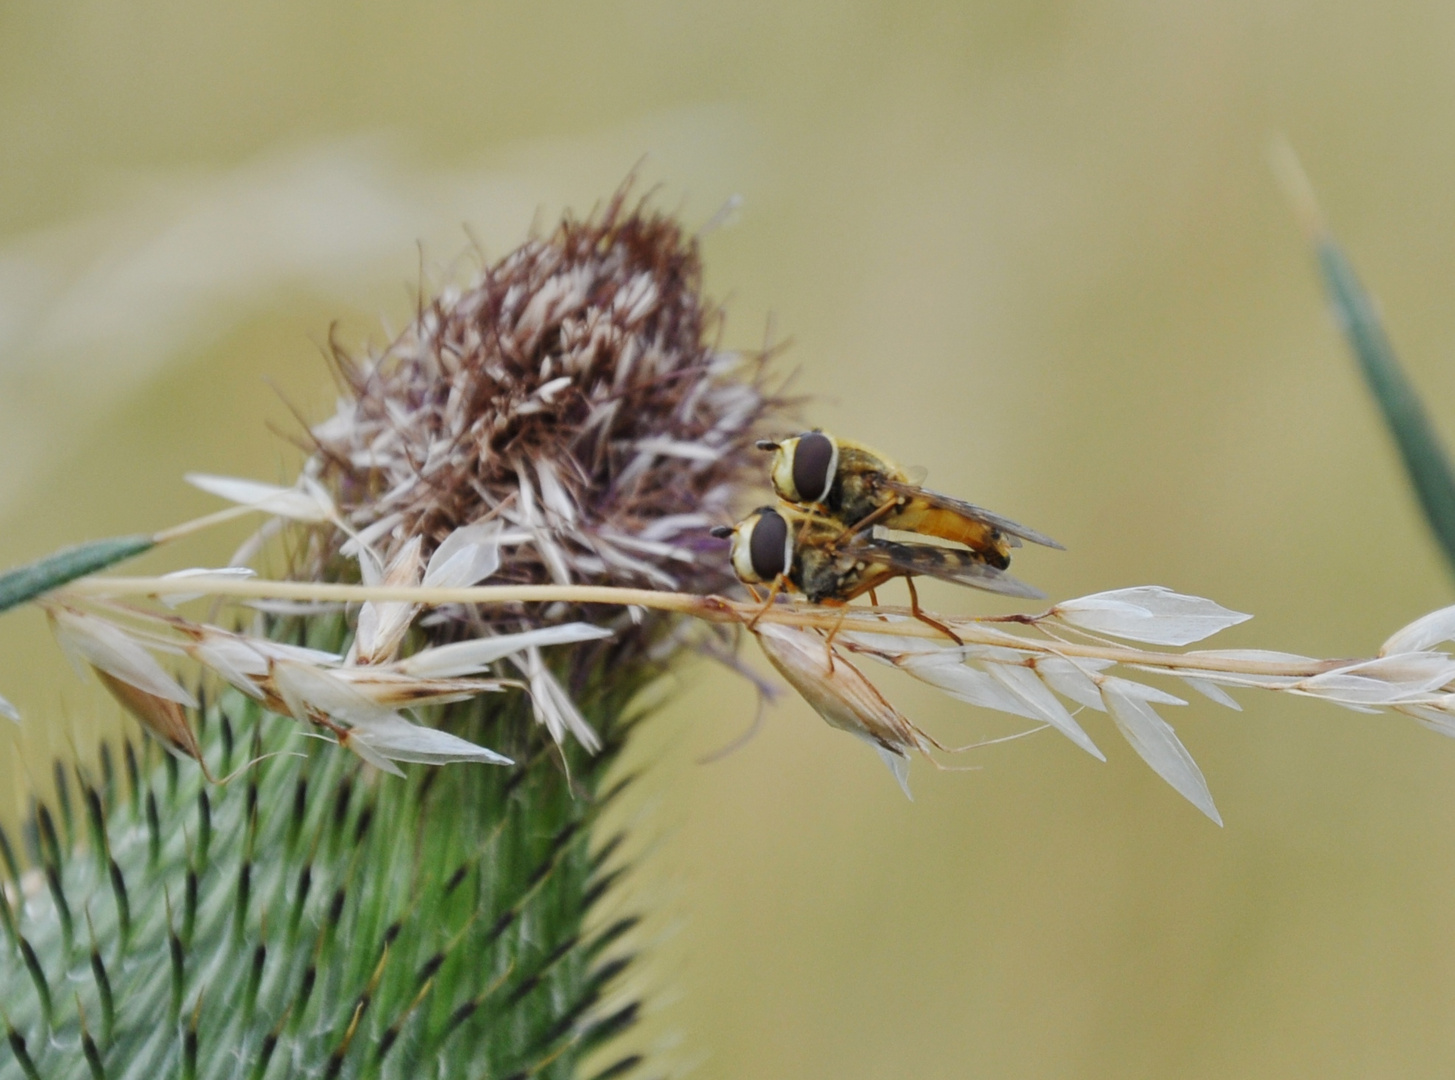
766 444
721 532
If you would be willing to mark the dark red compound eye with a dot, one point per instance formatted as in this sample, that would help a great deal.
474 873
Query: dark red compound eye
813 466
768 547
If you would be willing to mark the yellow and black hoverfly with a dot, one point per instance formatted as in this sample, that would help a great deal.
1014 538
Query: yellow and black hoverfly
861 488
810 554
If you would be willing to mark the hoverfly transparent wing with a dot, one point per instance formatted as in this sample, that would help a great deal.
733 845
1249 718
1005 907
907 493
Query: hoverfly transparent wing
915 474
942 563
975 513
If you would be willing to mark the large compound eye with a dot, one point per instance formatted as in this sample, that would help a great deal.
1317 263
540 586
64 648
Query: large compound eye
815 460
768 546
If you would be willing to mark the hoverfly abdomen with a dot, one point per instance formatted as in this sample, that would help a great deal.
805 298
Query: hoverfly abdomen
985 539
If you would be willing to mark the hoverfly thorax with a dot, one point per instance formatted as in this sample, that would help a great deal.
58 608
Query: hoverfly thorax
804 468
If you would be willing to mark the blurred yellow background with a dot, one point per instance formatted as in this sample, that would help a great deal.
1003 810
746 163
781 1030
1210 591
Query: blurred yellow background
1033 246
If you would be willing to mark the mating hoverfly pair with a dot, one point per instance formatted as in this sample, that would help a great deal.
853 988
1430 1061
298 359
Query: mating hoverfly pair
821 542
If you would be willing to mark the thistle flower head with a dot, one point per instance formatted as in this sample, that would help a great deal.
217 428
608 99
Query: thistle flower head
566 419
574 394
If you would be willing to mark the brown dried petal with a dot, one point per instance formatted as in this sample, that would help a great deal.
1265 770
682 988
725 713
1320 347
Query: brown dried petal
165 719
839 692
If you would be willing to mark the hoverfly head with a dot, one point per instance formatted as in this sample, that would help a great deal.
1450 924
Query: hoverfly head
762 547
805 467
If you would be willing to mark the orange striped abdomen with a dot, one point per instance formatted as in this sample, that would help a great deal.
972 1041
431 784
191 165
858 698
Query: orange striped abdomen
921 517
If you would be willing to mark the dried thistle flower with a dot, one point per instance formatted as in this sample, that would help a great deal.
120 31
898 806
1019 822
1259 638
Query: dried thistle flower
575 393
566 418
570 413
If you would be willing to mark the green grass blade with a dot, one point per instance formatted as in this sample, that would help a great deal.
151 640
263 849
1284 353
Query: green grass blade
29 581
1420 447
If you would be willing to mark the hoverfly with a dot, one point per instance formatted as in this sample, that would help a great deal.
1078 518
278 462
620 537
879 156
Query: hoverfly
861 488
811 554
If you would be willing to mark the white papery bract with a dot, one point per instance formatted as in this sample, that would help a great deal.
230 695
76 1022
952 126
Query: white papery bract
92 640
1437 718
376 733
306 501
204 577
1004 686
471 657
551 704
381 627
361 703
466 557
368 696
234 658
1153 738
1436 628
1386 680
1149 613
1024 665
1213 692
841 694
1027 687
972 685
398 739
1073 679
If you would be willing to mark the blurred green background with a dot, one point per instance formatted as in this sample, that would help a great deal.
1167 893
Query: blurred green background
1033 246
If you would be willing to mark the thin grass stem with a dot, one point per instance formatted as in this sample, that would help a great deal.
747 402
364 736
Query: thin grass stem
865 620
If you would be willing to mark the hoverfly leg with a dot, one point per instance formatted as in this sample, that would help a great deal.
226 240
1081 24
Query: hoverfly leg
804 528
915 610
772 595
828 644
868 522
874 600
